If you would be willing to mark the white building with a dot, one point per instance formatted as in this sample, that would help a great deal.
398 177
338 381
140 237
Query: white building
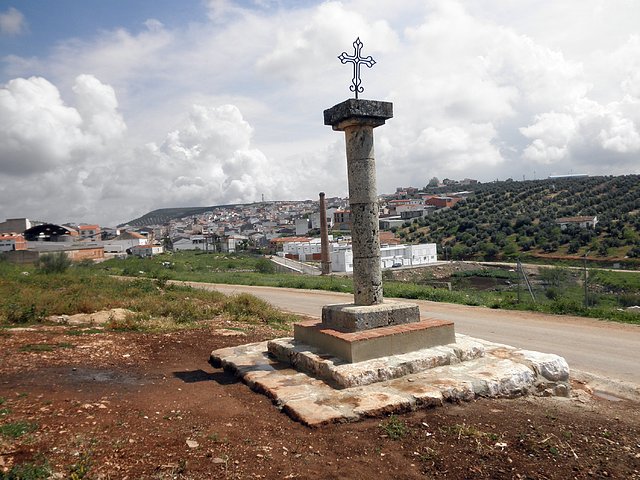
303 251
390 256
302 226
11 242
315 219
124 241
582 222
146 250
194 242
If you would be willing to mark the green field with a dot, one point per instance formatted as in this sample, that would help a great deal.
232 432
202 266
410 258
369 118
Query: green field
560 290
84 288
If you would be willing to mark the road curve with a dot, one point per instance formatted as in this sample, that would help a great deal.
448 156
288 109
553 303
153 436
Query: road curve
600 347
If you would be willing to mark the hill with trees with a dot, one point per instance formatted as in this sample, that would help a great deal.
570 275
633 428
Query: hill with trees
509 219
161 216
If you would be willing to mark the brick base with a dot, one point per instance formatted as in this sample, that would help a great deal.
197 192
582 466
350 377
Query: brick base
374 343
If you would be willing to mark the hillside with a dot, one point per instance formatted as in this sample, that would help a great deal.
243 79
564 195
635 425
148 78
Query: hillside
511 219
163 215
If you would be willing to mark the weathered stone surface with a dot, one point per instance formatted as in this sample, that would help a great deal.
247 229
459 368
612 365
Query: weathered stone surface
379 401
365 237
348 317
501 378
503 371
313 414
550 366
372 111
363 171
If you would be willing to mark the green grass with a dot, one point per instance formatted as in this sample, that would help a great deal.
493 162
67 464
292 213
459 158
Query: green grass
29 299
85 331
28 471
394 428
159 306
569 301
45 347
17 429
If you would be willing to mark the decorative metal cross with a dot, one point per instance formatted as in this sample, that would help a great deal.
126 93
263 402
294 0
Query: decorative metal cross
357 60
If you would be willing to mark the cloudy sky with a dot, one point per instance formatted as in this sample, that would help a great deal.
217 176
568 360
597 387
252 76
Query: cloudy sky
111 109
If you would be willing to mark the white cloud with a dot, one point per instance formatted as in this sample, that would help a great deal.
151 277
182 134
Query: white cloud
482 90
586 133
12 22
38 131
208 159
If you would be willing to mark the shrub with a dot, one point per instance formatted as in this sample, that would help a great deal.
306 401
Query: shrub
552 293
264 265
53 263
16 313
246 307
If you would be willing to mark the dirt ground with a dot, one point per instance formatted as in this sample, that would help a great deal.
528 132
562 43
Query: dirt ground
122 405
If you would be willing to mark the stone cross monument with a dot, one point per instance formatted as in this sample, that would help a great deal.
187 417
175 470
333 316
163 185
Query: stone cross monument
370 327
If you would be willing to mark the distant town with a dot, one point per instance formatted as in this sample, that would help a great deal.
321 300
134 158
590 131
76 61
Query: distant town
288 229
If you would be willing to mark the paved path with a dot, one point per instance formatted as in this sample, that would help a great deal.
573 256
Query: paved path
596 346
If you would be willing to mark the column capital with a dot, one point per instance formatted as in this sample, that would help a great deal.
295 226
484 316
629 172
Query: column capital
358 112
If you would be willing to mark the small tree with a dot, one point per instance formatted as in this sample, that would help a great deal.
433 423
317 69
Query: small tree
53 262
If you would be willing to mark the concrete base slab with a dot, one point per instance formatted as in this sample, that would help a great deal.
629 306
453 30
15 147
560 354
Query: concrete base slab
347 317
502 371
374 343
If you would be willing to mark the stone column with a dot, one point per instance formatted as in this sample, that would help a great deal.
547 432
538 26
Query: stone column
325 258
358 118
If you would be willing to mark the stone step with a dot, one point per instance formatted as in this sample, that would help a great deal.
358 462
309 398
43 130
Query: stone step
342 374
502 371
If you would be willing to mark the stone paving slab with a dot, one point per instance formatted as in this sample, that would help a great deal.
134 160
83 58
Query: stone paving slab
502 371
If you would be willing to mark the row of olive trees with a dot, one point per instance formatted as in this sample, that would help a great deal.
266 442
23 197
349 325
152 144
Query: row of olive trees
507 217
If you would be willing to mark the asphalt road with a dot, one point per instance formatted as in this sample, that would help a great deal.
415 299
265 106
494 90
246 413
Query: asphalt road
607 349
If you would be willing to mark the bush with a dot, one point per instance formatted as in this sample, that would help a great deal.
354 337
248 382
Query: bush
29 313
264 265
53 263
552 293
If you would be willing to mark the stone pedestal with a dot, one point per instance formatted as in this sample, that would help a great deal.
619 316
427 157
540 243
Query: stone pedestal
362 345
347 317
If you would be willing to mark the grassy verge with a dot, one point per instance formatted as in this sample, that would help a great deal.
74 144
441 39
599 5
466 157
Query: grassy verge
29 296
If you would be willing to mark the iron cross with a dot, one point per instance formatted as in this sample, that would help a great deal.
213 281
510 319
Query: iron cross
357 60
